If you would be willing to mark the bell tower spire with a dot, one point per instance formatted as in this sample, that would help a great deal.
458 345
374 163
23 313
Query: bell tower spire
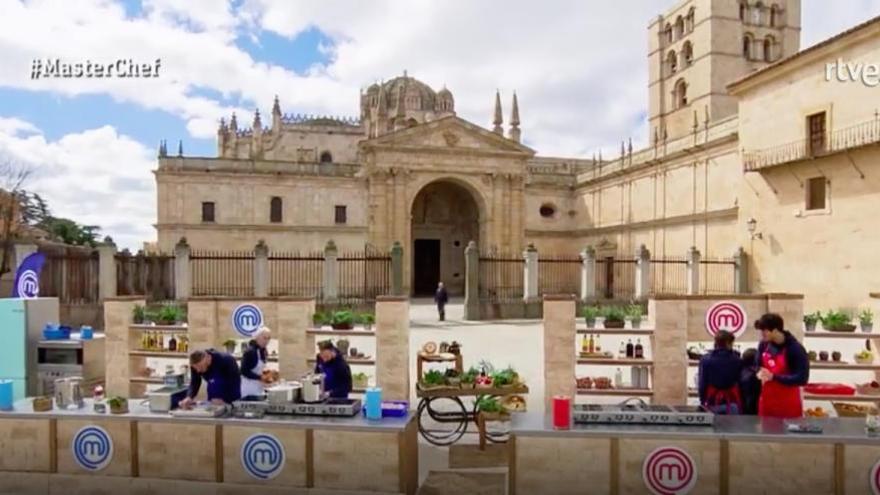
498 120
514 121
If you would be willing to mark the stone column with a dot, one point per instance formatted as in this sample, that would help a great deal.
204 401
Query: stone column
693 271
294 321
397 269
261 269
22 251
643 272
668 345
530 274
472 282
559 352
106 270
120 339
331 272
182 280
741 272
588 274
392 347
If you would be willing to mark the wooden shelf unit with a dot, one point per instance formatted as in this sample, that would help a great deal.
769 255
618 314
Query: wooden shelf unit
647 332
342 333
617 392
615 362
841 335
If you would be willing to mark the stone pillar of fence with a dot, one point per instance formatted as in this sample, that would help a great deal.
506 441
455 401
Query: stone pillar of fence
22 251
559 336
331 273
392 347
643 272
396 269
740 271
261 269
182 276
472 282
693 271
294 320
530 274
106 270
588 274
120 340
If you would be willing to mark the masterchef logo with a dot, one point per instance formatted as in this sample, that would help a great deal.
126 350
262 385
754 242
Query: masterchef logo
262 456
875 479
726 315
247 319
669 471
92 448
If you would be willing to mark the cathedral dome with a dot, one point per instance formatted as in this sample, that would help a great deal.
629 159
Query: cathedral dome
414 94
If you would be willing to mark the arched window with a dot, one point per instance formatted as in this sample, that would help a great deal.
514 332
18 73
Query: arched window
668 32
679 94
326 157
275 210
743 10
671 62
679 28
747 46
769 44
758 14
687 54
774 15
690 20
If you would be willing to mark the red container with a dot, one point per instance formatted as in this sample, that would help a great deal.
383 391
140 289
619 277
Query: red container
561 412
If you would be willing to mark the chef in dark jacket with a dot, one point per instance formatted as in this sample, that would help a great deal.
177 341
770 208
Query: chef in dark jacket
783 369
337 373
253 362
221 372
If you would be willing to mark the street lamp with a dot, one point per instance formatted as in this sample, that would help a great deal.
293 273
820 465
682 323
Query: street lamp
752 224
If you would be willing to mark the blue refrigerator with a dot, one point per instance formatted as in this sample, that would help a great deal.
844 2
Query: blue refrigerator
21 328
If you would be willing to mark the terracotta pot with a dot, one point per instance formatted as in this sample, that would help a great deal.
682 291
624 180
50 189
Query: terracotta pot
614 324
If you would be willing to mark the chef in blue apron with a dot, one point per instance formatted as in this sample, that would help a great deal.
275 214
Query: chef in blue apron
253 362
220 371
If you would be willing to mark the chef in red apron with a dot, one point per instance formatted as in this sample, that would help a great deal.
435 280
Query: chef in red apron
784 369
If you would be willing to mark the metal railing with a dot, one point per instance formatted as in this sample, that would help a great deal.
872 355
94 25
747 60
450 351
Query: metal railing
362 276
222 273
151 276
296 274
501 277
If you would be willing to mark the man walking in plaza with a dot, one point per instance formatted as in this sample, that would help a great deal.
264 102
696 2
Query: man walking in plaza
441 298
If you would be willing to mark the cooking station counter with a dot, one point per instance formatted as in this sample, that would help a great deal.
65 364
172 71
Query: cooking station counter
81 451
735 454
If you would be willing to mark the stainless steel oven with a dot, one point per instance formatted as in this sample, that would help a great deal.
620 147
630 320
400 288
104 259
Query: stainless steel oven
68 358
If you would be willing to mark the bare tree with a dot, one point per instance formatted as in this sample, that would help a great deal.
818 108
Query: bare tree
13 176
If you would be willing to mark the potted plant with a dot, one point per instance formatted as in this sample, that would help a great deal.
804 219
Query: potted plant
614 317
469 377
837 321
229 344
810 321
342 345
506 378
432 379
118 405
367 320
634 311
866 319
491 409
453 379
319 319
138 314
342 320
590 314
360 380
170 314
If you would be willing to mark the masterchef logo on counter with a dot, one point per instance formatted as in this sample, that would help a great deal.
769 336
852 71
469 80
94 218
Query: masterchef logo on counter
669 471
247 319
874 481
262 456
726 315
92 448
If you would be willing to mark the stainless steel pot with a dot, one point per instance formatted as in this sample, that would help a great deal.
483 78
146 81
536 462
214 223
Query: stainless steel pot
68 393
313 388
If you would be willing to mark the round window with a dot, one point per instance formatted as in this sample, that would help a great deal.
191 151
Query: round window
547 210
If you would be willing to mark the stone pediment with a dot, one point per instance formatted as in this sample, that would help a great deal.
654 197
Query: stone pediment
449 133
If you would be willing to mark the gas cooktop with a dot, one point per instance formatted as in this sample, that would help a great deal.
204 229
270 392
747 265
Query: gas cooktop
642 414
328 407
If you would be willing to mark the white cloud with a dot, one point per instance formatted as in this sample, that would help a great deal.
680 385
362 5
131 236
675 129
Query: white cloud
96 177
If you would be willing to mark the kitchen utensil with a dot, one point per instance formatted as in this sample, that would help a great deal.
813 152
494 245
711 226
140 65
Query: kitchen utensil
284 393
561 412
68 393
166 398
86 332
313 387
6 395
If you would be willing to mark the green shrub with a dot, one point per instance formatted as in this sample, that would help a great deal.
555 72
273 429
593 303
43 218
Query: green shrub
613 313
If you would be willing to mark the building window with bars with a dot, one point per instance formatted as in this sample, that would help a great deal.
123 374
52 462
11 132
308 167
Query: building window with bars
275 208
817 194
816 127
208 211
341 216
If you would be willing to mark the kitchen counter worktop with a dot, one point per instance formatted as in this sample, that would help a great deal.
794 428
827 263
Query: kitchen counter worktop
139 411
735 428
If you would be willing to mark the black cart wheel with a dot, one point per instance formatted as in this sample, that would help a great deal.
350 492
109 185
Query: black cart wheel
458 419
492 437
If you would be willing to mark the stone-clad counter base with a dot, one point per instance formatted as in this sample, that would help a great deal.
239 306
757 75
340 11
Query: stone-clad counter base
158 454
738 456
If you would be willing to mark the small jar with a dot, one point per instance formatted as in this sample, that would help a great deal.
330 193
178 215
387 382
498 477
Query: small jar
872 424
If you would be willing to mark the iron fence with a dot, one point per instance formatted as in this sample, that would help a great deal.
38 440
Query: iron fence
71 275
669 275
615 278
717 276
501 278
296 274
151 276
222 273
362 276
559 274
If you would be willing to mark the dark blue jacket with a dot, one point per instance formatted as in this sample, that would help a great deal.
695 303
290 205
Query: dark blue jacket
337 376
223 377
795 356
750 388
249 359
441 297
721 369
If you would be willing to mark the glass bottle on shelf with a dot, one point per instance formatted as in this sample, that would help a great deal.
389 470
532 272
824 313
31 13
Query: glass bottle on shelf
597 347
639 350
618 379
622 353
584 345
591 345
161 344
172 344
630 350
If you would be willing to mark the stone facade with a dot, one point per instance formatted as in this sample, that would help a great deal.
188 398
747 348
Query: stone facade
410 170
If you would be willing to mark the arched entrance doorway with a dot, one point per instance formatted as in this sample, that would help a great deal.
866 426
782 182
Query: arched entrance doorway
445 217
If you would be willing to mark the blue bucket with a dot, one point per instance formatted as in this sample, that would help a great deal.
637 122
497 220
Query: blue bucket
6 395
374 403
86 332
